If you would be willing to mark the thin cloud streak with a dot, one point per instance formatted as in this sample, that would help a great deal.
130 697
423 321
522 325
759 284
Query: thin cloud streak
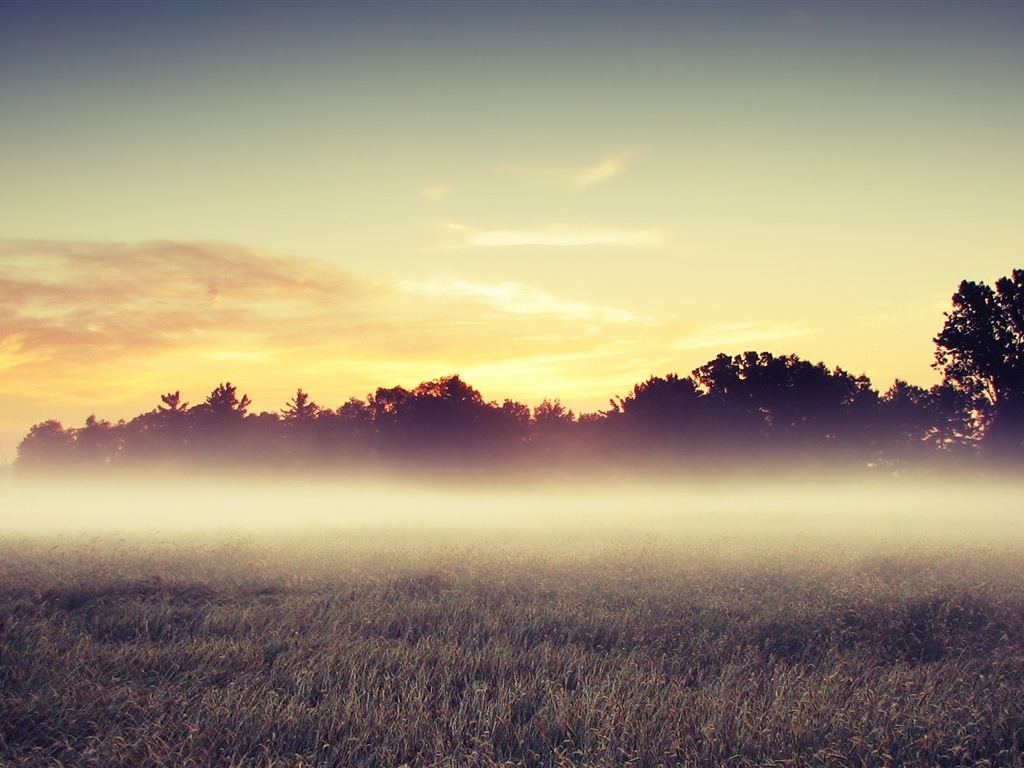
724 336
458 236
518 299
893 313
608 168
573 177
436 192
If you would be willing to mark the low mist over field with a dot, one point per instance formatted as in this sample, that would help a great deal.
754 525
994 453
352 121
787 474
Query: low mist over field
747 618
873 621
834 513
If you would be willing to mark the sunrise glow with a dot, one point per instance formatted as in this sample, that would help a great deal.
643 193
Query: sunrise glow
547 199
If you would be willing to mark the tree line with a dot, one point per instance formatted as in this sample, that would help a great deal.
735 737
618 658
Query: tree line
749 405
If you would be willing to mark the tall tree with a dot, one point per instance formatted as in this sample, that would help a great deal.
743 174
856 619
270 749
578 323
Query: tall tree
47 444
913 420
302 428
172 403
301 409
223 401
98 442
446 409
386 403
981 353
760 395
451 389
668 412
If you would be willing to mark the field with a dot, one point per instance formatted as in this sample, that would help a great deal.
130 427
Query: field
749 633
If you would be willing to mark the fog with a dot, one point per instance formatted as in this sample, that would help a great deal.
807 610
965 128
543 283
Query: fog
830 515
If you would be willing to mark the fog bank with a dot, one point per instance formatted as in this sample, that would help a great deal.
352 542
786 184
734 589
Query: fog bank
833 515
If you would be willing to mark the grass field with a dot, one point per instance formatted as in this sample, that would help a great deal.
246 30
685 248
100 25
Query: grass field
645 644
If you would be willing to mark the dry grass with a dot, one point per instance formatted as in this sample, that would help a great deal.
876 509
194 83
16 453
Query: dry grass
349 654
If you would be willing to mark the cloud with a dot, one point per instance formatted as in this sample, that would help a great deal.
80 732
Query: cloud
59 272
518 299
80 301
456 236
724 336
95 323
13 352
573 177
609 167
436 192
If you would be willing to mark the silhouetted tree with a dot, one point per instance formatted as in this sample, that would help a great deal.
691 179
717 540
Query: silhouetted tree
98 442
386 403
914 421
223 402
301 433
955 425
750 403
727 401
444 418
349 431
442 411
355 412
161 434
904 418
449 389
300 409
515 419
663 404
516 413
47 444
784 400
172 403
261 438
552 430
216 426
981 353
551 414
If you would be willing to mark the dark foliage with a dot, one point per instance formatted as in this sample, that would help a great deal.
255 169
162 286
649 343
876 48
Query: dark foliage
754 405
981 353
751 405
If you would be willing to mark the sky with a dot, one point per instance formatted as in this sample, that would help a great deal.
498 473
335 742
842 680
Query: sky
548 199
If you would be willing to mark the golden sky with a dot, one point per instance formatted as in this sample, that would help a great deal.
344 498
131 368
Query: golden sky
549 199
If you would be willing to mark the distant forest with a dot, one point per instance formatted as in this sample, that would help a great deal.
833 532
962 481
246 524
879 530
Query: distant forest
754 406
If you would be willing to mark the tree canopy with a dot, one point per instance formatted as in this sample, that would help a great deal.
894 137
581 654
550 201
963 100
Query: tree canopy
750 404
980 351
745 404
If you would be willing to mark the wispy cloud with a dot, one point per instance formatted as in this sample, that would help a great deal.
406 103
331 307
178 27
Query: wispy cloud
607 168
84 301
456 236
436 192
13 352
98 323
518 299
731 336
573 177
882 313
